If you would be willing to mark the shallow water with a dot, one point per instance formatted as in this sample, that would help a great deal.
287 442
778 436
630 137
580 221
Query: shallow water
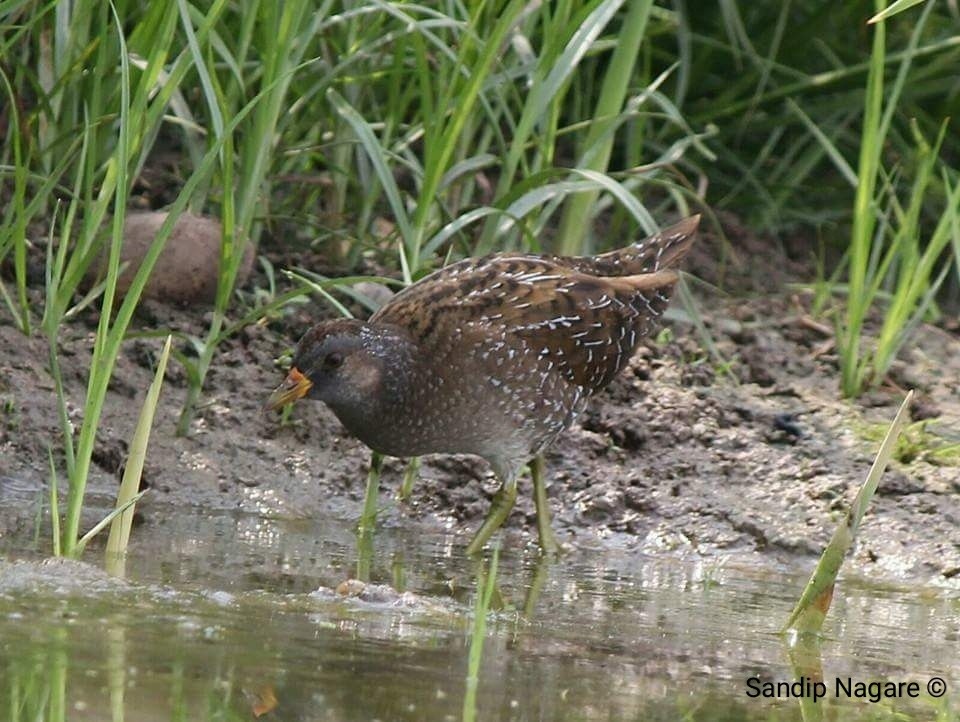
224 616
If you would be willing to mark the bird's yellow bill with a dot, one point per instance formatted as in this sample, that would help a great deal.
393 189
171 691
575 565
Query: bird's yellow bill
294 387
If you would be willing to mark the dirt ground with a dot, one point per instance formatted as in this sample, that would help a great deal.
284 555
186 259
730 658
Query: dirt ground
750 455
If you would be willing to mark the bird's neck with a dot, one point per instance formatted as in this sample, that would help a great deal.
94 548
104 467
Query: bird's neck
394 354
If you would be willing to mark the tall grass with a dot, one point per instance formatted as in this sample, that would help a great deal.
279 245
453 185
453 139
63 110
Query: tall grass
134 124
13 232
275 36
598 143
797 90
886 252
479 145
102 171
746 62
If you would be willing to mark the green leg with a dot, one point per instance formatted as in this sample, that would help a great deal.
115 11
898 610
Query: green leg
368 519
499 511
548 542
364 554
536 586
410 475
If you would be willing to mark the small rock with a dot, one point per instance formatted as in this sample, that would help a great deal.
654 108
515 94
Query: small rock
351 588
376 292
924 408
876 399
639 499
187 268
703 432
787 423
897 483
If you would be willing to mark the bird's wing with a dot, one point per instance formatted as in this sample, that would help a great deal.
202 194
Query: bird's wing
584 326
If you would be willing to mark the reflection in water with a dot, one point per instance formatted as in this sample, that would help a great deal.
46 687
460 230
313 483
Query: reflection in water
486 584
803 649
368 518
221 619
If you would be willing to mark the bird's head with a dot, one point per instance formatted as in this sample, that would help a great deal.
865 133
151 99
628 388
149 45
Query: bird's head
332 364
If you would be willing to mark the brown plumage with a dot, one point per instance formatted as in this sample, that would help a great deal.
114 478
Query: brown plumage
493 356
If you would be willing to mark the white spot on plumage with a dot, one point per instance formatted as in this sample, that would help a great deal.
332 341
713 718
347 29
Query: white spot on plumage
536 276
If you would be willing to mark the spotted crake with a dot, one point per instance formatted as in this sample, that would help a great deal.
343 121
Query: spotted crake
493 356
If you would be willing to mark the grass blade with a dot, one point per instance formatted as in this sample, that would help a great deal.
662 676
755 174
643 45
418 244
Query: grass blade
368 140
120 528
814 603
598 145
54 504
103 523
897 7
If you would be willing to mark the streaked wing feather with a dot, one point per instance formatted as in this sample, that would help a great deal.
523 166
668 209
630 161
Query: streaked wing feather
584 326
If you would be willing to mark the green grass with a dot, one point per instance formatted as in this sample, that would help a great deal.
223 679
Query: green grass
920 441
795 106
277 41
133 469
885 246
811 608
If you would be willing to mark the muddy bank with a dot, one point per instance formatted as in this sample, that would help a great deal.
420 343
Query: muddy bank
686 454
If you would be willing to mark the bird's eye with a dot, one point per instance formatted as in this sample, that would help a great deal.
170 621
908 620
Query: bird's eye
333 360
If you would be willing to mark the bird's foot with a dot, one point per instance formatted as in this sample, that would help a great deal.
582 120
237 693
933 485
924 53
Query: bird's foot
500 509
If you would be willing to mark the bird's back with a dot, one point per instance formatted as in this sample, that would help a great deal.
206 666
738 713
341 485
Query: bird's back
533 336
588 311
664 250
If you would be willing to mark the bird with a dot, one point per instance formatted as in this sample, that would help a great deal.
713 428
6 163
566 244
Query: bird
493 357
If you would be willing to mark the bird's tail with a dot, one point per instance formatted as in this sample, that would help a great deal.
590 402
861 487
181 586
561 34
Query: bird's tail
661 251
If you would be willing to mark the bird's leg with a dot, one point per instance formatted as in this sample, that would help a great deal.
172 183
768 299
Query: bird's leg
536 586
500 508
548 542
410 475
368 518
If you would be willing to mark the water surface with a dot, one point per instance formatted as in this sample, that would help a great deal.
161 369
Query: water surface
225 616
